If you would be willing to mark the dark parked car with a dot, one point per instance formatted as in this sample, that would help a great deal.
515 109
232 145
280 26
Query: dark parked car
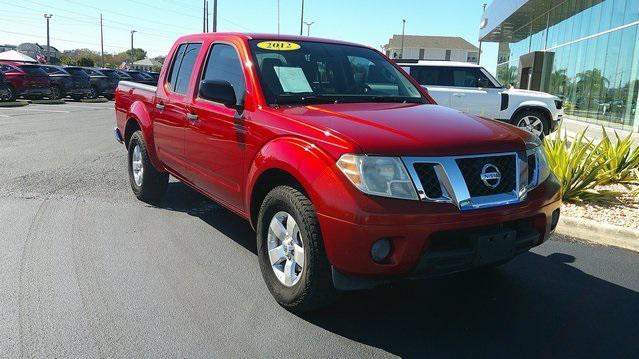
142 77
116 76
25 80
101 84
5 93
155 75
81 82
61 82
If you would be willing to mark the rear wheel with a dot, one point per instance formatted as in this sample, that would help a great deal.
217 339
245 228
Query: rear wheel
94 93
291 251
56 92
7 94
148 184
535 122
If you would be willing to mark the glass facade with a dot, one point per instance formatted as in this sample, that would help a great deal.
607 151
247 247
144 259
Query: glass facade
595 67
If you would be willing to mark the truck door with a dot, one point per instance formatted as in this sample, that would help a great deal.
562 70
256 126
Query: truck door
215 136
171 108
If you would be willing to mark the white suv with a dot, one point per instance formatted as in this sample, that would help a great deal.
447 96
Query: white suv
472 89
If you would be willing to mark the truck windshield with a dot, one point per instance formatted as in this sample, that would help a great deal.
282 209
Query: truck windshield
299 72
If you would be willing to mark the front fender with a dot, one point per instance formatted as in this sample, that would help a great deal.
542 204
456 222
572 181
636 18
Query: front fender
140 114
313 168
535 104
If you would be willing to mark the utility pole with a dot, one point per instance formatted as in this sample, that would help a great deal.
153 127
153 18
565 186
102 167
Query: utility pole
401 53
481 26
214 15
132 32
302 20
308 27
101 41
48 17
204 16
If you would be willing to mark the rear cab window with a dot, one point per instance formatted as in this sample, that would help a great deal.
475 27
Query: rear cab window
182 67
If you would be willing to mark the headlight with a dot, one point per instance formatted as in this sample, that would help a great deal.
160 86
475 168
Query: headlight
538 170
380 176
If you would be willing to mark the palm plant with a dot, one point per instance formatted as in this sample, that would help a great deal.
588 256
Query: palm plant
622 161
577 164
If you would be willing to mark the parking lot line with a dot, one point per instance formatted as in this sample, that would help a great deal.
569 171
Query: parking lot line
35 110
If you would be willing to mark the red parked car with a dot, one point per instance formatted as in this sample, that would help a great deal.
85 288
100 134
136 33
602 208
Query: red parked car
26 80
350 173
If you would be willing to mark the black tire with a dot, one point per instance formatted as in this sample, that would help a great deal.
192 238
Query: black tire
154 183
56 92
314 289
77 97
9 94
519 121
94 93
109 97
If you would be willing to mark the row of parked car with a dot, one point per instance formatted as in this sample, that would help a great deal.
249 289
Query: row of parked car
56 82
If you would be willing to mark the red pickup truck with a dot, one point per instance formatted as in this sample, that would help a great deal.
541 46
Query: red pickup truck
349 172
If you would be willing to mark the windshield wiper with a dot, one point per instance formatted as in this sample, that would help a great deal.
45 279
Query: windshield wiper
394 99
304 99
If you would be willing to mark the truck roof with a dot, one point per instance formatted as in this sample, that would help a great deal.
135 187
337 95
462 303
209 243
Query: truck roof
441 63
266 36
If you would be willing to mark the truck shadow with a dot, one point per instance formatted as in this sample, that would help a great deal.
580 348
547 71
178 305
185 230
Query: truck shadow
535 306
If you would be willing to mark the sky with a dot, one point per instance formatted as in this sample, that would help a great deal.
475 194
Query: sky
76 23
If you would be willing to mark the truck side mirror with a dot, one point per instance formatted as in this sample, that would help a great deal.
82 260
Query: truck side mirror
219 91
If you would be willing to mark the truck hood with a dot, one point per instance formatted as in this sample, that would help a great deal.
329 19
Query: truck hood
530 94
411 129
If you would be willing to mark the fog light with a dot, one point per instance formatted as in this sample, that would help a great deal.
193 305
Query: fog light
380 250
554 220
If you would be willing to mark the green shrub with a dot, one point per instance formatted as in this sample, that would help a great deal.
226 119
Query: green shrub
577 164
622 165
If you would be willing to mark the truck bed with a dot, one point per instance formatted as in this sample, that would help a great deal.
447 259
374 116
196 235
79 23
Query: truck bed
128 93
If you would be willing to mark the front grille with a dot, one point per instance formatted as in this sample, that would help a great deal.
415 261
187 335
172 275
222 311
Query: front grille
428 178
471 169
532 164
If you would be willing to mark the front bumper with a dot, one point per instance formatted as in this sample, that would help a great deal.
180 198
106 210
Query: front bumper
432 242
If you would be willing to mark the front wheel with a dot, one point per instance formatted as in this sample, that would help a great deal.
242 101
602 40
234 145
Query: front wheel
56 93
148 184
291 251
8 94
94 93
532 121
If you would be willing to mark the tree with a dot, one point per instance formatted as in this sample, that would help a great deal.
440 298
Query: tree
86 62
138 54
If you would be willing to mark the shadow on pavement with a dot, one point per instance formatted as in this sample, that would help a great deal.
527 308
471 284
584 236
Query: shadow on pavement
535 306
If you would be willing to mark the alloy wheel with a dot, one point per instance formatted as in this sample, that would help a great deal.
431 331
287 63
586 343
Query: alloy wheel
532 124
137 166
285 248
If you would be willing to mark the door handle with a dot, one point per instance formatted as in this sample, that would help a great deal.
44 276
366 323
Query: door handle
457 94
191 116
159 106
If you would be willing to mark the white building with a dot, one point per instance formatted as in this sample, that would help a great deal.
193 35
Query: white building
445 48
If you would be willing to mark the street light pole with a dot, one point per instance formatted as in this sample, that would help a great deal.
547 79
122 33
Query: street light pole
214 15
308 27
132 32
302 20
48 17
401 52
101 41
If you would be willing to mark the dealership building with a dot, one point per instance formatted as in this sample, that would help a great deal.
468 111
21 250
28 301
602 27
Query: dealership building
584 51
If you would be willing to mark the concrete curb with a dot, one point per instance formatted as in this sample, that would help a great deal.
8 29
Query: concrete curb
13 104
48 102
599 233
94 100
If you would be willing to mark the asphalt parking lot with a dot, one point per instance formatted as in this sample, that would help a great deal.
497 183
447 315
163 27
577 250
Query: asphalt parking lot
86 270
